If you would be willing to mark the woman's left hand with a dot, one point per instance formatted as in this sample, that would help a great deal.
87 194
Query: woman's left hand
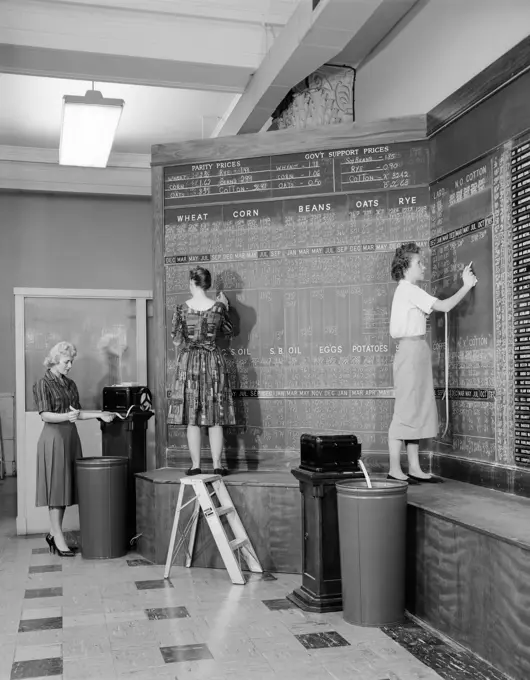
107 417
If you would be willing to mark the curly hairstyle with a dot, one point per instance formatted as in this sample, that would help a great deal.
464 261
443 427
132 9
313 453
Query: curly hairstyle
201 277
402 258
61 349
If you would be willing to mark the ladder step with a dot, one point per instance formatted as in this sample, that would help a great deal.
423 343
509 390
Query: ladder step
224 510
238 542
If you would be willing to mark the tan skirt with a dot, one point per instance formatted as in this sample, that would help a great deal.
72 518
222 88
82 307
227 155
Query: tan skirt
58 448
415 414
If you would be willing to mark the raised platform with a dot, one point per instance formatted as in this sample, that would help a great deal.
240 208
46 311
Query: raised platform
468 554
267 502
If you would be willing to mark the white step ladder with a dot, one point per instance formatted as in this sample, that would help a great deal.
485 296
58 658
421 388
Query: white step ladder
206 490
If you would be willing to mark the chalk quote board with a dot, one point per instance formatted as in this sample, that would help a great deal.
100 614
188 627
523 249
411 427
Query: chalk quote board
462 228
301 245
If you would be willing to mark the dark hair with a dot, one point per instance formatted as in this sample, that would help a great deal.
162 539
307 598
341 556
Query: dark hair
402 258
201 277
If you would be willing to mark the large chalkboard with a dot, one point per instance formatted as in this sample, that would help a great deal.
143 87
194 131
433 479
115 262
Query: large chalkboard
462 227
301 244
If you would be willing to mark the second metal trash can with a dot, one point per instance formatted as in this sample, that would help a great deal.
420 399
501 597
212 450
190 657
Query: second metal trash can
372 532
102 494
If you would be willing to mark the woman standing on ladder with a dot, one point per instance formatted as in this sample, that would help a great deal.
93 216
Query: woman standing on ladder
202 395
415 415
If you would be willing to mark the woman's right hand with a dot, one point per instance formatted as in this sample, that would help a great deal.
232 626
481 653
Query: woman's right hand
73 414
469 279
222 298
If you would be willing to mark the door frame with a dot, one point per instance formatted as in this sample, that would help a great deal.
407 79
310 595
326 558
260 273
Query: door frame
141 297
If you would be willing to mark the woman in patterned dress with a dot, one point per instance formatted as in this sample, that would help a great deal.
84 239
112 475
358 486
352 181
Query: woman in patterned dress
201 395
57 401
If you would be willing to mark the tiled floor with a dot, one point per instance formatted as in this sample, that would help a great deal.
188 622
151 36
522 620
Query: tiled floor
85 620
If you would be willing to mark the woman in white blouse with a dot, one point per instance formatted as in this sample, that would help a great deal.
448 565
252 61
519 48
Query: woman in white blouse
415 415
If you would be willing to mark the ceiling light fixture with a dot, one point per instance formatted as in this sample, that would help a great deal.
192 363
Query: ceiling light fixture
87 130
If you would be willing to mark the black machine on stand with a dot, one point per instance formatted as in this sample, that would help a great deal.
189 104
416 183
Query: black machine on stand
125 436
325 460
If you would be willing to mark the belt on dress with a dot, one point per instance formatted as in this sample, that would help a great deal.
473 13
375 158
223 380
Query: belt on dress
411 337
200 345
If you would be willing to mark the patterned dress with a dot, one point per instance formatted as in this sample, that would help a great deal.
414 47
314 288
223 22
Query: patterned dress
202 394
59 445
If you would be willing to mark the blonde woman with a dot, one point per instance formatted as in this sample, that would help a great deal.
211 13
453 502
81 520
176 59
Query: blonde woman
57 401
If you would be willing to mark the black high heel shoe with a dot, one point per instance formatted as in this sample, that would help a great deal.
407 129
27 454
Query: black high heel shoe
50 541
193 471
61 553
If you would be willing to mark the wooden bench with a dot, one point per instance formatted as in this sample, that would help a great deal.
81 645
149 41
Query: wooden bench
468 569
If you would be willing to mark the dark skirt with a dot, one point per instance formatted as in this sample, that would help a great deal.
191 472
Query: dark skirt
201 394
58 448
415 414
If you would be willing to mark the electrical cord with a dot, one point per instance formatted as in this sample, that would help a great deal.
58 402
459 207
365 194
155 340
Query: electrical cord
446 391
141 409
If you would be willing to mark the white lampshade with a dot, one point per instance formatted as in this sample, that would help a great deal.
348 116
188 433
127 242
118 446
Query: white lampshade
88 128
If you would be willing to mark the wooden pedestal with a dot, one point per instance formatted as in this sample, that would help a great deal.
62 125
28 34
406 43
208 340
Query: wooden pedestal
321 589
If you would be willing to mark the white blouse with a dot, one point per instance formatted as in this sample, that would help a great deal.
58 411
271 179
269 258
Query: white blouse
410 308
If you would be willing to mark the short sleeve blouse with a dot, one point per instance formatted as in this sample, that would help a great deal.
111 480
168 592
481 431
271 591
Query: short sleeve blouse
410 308
55 394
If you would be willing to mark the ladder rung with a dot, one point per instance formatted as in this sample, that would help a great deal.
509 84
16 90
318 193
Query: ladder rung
224 510
238 542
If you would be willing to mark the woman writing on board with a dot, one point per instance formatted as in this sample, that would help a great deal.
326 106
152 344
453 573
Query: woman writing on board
57 401
415 415
201 395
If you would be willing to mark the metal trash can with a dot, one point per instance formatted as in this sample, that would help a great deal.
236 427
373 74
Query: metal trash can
102 495
127 438
372 532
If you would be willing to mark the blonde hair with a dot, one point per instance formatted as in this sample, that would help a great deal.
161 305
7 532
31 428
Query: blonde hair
61 349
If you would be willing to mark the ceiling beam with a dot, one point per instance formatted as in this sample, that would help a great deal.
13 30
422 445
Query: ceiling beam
378 26
310 39
16 176
111 68
54 25
272 12
31 169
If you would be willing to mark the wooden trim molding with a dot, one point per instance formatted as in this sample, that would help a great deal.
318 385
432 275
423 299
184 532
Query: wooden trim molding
159 310
83 293
25 455
391 130
493 78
